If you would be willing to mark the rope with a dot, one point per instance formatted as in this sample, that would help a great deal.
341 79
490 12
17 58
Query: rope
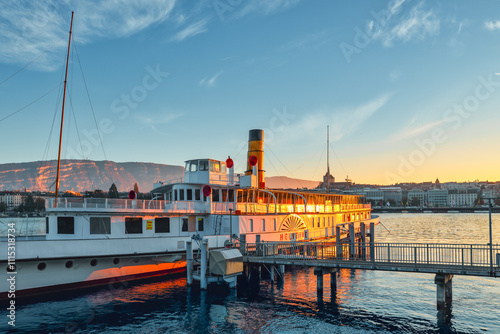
1 83
29 104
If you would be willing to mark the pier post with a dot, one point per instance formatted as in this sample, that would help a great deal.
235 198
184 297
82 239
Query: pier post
272 273
189 260
337 242
243 244
319 274
363 240
333 281
281 271
258 248
444 290
204 264
352 245
372 241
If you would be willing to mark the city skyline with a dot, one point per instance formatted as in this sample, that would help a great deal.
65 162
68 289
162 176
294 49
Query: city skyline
409 88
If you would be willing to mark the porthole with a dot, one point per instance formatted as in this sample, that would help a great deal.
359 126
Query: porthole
11 268
93 263
116 260
69 264
136 260
42 266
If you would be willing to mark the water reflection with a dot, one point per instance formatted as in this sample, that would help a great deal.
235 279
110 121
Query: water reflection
365 301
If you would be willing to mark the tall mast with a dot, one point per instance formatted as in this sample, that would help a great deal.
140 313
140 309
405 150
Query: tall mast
327 158
62 116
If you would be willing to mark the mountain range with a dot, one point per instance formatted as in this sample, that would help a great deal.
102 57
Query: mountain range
82 175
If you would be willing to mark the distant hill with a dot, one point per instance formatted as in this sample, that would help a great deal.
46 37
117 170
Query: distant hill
81 175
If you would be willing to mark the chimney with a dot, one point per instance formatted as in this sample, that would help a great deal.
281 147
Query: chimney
256 148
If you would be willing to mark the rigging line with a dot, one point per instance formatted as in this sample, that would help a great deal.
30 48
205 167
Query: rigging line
284 166
29 104
80 140
90 101
319 161
47 145
281 177
1 83
336 156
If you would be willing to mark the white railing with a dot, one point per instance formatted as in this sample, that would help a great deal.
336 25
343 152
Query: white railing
463 256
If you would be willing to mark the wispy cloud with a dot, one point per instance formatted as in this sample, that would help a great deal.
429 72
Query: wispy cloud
192 30
209 82
410 131
343 122
29 28
306 41
265 7
492 25
417 23
156 122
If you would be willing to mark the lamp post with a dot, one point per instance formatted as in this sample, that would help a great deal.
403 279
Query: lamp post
490 205
231 227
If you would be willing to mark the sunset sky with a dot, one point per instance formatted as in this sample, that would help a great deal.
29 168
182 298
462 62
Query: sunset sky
410 89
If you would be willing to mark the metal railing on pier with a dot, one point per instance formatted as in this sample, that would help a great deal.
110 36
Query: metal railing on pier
463 259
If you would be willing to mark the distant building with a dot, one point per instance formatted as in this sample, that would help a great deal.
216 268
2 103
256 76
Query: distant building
392 194
437 197
418 194
11 200
375 195
463 197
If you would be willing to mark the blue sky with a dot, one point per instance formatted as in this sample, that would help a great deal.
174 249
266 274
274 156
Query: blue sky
409 88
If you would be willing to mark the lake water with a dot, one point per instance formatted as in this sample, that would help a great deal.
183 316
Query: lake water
366 301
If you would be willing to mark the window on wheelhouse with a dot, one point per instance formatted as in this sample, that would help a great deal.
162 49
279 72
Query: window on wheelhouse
65 225
215 195
181 194
133 225
203 165
162 225
185 224
100 225
197 194
46 225
189 194
201 224
215 166
176 198
194 166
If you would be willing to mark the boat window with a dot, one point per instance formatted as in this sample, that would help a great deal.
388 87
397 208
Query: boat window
223 167
224 195
201 225
65 225
230 197
162 225
184 224
251 225
275 224
263 225
194 166
187 166
215 195
181 194
215 166
197 194
203 165
189 194
133 225
100 225
46 225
